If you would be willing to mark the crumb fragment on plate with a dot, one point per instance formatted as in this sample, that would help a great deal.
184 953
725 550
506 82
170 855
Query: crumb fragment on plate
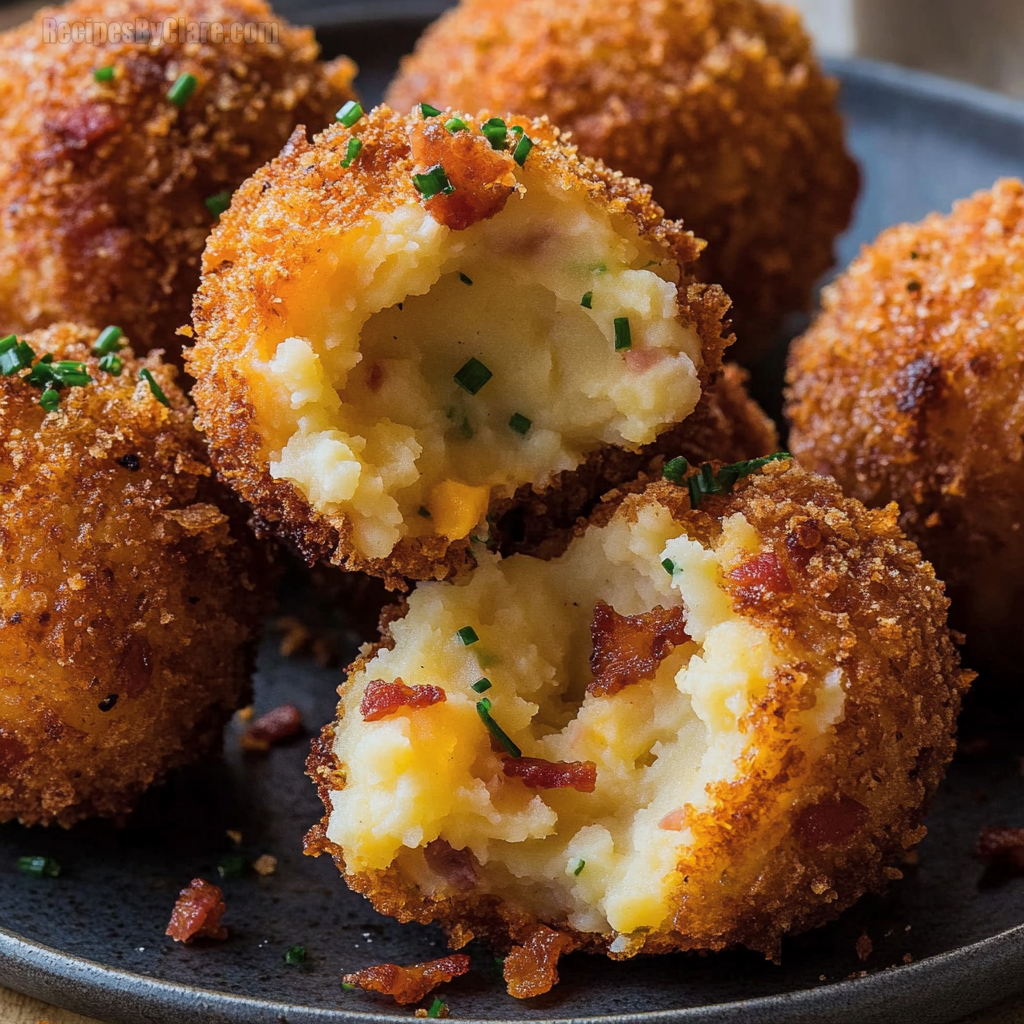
409 984
265 864
197 913
532 968
1001 845
280 724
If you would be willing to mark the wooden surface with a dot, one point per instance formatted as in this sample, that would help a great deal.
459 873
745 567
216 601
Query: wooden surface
17 1009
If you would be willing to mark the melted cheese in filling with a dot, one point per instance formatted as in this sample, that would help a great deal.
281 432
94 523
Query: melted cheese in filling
358 399
420 775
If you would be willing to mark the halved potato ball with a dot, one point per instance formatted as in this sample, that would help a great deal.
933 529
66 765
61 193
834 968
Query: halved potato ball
406 322
720 105
908 388
122 145
696 728
128 588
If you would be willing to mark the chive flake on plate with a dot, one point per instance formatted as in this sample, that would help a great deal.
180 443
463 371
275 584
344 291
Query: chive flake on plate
154 388
437 1007
231 867
105 74
180 93
587 302
465 279
675 470
496 132
346 987
455 124
39 867
578 865
14 355
350 113
295 955
218 203
669 566
426 110
108 340
483 709
623 335
482 685
433 182
467 635
112 363
355 147
522 150
473 376
520 423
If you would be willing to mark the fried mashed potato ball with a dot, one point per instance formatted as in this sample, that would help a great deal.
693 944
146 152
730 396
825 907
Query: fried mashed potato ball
908 388
404 323
104 183
695 729
720 105
128 594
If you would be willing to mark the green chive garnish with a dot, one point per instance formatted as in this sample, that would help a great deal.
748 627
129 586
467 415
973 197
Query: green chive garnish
104 74
496 133
464 279
675 470
112 364
155 388
707 481
623 335
579 866
218 202
669 566
482 685
588 301
433 182
426 110
483 709
109 340
349 114
455 124
14 355
181 91
231 867
693 484
39 867
63 374
598 268
50 399
467 635
435 1008
522 150
520 424
295 955
355 147
473 376
346 987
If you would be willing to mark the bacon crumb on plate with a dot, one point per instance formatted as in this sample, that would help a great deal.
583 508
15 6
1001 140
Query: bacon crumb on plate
1001 845
409 984
280 724
532 969
197 913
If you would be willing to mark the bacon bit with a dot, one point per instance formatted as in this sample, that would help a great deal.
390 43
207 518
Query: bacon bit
409 984
84 124
12 752
375 378
135 667
382 699
628 648
760 577
271 728
675 821
1001 845
829 822
197 913
537 773
532 969
483 177
456 867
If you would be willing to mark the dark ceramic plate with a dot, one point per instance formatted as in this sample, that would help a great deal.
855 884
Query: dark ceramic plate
947 940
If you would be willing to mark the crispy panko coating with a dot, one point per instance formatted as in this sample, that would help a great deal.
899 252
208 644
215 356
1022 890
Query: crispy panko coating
695 729
908 388
720 105
104 184
128 590
386 352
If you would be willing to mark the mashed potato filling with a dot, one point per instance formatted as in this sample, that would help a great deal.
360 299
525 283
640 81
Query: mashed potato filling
607 860
419 371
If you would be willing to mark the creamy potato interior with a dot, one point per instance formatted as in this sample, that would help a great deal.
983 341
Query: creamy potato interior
419 372
608 859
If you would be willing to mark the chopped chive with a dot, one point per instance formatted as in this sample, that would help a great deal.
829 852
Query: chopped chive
669 566
180 93
426 110
496 133
39 867
473 376
109 340
675 470
105 74
623 335
350 113
579 866
231 867
467 635
295 955
483 709
522 150
464 279
218 202
436 1007
587 301
520 423
14 355
346 987
355 147
482 685
425 512
154 388
455 124
693 484
112 364
433 182
707 481
598 268
50 399
63 374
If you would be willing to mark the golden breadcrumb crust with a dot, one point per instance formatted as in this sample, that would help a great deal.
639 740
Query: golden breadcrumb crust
103 184
908 388
862 600
128 594
279 221
720 105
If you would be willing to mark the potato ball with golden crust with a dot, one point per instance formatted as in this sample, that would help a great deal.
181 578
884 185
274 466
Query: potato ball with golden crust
696 728
403 324
118 156
128 588
908 388
720 105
